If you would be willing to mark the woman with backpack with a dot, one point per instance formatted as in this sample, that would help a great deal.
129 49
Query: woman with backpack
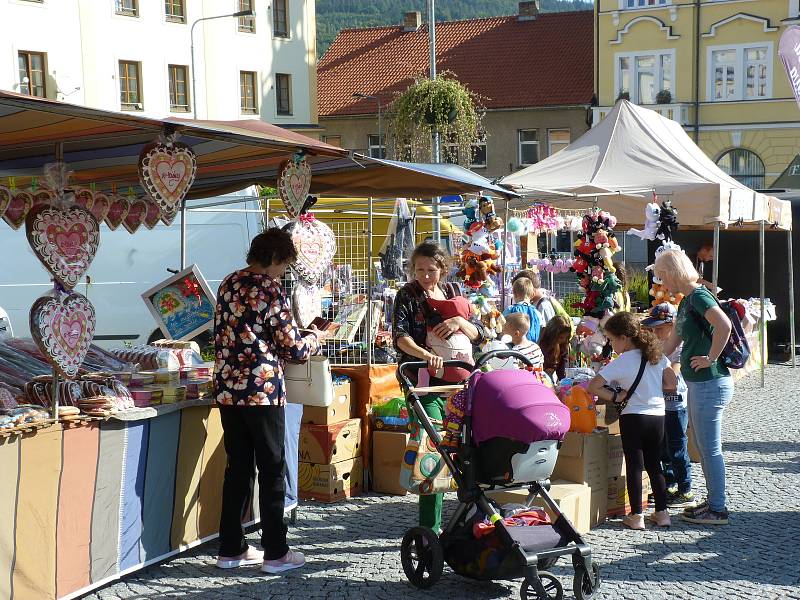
704 328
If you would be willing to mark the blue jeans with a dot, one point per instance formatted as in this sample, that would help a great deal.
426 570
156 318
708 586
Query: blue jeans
707 400
677 468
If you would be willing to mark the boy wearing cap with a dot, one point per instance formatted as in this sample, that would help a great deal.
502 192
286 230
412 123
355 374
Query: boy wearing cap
677 467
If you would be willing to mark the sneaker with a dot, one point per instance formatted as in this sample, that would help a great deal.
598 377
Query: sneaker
660 518
672 490
633 521
251 556
291 560
678 499
708 517
699 508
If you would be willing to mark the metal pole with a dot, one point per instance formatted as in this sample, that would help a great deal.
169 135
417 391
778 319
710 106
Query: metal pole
503 258
183 234
194 83
369 282
436 158
714 266
791 297
762 325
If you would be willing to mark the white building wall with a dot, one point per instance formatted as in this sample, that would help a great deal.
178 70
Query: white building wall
85 39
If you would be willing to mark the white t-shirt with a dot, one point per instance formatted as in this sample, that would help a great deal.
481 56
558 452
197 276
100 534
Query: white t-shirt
546 310
648 398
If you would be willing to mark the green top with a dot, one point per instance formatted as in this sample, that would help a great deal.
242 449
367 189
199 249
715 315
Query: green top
695 341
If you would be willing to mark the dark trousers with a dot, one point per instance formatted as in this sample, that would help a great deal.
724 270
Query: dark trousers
642 442
675 459
253 435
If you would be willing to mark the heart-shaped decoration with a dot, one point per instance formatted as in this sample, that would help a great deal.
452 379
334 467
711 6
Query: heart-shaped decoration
117 211
135 217
306 303
65 241
152 214
168 216
167 172
17 209
294 182
83 198
100 206
316 245
43 197
62 325
5 199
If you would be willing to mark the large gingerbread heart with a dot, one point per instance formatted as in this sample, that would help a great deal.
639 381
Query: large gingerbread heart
315 245
294 181
62 325
5 199
135 217
99 206
152 215
117 211
65 241
306 303
18 208
167 172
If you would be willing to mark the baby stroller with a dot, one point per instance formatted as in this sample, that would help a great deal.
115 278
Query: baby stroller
510 440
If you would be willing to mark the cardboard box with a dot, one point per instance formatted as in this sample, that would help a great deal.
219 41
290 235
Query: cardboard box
574 500
694 451
388 448
618 499
616 457
337 412
330 483
583 458
608 417
327 444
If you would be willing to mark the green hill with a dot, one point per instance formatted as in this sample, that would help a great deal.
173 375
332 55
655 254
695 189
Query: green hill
334 15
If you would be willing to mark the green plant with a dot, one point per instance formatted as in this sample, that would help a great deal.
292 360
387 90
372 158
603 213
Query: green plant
639 287
441 105
664 97
570 299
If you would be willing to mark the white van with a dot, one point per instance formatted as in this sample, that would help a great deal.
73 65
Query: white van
126 265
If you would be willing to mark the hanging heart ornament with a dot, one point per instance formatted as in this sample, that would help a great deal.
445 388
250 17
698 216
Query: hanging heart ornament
65 241
316 245
294 181
306 303
18 208
167 172
62 326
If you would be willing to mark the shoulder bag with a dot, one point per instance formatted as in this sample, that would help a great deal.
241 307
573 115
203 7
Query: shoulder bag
309 382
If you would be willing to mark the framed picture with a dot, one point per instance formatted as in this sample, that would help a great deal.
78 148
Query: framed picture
182 305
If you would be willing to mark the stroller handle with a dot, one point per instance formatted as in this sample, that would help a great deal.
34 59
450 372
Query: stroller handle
484 358
421 364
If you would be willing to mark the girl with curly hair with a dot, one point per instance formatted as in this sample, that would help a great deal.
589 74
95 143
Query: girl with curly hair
641 408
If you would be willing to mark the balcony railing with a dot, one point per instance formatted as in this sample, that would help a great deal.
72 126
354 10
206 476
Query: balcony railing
676 112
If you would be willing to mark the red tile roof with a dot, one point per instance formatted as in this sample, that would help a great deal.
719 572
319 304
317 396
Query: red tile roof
512 64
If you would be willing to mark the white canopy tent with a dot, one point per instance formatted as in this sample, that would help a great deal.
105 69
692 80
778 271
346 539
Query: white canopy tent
634 152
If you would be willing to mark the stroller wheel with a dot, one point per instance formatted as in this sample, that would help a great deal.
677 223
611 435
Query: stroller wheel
584 586
422 557
551 588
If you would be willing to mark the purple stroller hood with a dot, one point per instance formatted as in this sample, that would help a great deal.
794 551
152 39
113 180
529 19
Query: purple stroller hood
513 404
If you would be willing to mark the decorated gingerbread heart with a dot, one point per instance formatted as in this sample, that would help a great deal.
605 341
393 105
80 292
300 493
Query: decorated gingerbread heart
5 199
168 216
294 181
18 208
306 303
43 197
65 241
167 172
62 326
117 211
83 198
136 214
152 215
315 244
100 205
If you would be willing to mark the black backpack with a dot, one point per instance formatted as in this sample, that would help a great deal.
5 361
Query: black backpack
736 352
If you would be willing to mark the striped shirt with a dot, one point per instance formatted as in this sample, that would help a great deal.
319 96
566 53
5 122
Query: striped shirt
532 352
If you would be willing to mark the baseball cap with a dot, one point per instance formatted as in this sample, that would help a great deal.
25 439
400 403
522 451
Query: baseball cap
660 314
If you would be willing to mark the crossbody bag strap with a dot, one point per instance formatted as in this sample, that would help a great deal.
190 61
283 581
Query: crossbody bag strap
636 381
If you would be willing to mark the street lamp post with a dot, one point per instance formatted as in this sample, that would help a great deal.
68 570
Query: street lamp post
241 13
380 119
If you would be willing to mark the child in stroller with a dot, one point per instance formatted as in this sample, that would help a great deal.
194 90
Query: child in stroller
512 431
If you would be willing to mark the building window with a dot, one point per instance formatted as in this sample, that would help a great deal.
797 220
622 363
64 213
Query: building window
528 146
744 166
32 74
280 18
247 90
283 93
333 140
247 24
130 85
644 3
557 140
175 11
740 73
178 88
375 147
478 160
127 8
644 75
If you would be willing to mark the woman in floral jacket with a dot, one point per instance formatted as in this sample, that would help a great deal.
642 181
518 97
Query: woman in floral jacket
254 333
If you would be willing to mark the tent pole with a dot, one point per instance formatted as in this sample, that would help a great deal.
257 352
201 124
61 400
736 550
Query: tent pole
503 259
183 234
369 282
791 296
715 264
762 323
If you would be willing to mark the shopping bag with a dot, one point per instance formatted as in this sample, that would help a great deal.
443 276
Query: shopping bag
423 470
309 382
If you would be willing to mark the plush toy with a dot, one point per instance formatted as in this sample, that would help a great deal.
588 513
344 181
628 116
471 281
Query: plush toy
661 294
651 223
601 241
668 221
490 218
518 227
580 265
584 245
470 212
597 273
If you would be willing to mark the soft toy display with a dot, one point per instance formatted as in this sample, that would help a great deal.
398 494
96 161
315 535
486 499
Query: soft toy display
544 218
658 290
470 212
552 264
667 222
652 212
490 218
594 249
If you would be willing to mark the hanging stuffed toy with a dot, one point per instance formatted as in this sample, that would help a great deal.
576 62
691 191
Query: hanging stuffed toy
668 221
594 265
490 218
651 222
470 212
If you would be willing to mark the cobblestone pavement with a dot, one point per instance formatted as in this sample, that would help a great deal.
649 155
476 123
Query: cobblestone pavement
353 547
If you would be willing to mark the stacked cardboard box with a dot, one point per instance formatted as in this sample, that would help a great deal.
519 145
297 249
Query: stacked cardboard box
330 466
583 458
388 448
573 499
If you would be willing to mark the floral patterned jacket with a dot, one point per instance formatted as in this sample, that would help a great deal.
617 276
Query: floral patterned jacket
254 333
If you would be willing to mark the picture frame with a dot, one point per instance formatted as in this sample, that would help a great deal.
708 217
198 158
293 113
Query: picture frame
182 305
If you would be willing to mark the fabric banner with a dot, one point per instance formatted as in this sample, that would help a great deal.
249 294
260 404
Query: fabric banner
789 51
75 500
9 467
159 485
187 475
211 478
132 497
37 510
105 512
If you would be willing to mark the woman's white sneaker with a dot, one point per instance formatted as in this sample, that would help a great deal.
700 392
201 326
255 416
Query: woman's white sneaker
249 557
291 560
